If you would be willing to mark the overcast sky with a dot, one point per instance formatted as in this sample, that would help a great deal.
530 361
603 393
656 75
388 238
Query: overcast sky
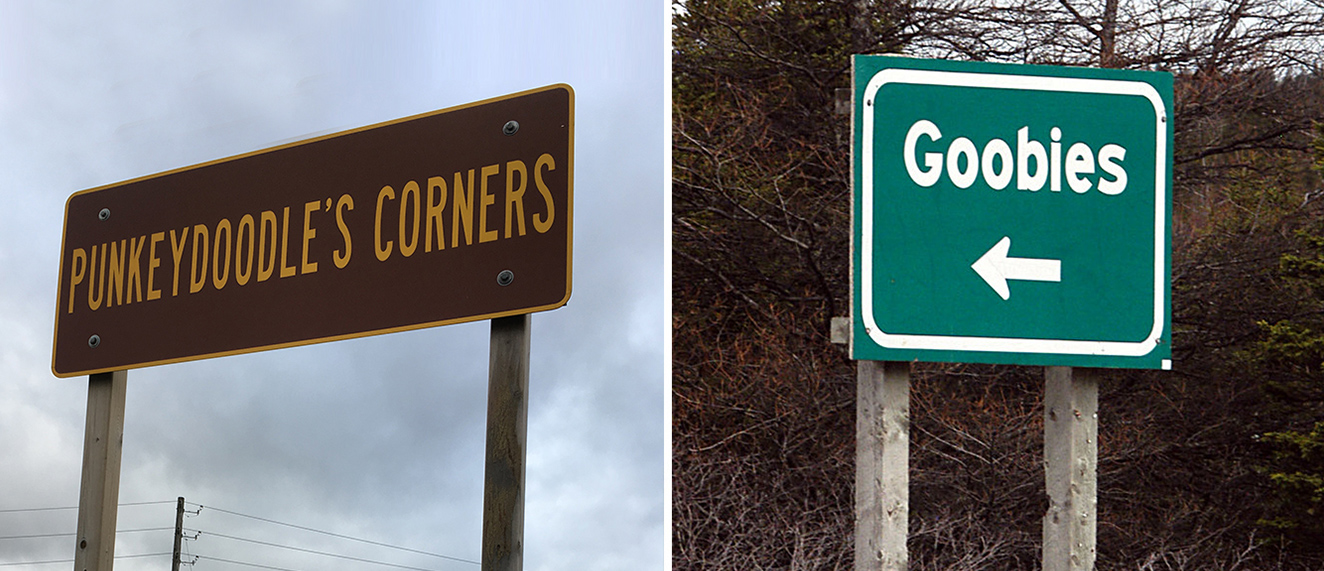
380 437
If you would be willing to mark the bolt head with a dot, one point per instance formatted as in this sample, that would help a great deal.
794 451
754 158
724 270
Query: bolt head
510 128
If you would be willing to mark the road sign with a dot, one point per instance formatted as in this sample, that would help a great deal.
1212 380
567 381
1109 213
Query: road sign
1011 214
456 215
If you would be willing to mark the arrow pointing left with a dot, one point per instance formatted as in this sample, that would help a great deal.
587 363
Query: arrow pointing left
996 267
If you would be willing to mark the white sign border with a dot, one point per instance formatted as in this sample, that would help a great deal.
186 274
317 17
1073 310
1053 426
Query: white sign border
1012 344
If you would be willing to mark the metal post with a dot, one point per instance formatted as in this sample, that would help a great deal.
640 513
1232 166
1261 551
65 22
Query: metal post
99 495
179 533
1071 440
507 431
882 466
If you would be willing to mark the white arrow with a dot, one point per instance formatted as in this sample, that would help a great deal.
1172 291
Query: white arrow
996 268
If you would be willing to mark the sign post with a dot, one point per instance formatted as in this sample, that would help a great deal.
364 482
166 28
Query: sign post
1006 214
882 465
507 435
99 493
1071 459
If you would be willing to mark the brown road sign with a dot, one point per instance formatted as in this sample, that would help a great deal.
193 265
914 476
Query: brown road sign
456 215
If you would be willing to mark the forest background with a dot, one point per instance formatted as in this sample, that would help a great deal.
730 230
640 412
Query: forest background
1217 464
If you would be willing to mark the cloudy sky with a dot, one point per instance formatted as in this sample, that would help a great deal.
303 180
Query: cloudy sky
378 438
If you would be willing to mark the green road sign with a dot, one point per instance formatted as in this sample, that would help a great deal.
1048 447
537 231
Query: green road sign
1011 214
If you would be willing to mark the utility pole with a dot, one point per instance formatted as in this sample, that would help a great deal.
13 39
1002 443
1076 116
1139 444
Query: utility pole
179 533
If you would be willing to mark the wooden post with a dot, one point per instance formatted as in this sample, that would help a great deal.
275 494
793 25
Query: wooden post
1071 440
507 431
882 466
99 495
179 534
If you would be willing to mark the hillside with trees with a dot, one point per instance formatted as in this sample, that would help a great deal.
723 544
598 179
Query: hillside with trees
1217 464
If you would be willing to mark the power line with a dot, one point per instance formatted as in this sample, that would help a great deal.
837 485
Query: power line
38 536
17 510
71 534
367 541
315 552
196 557
71 560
